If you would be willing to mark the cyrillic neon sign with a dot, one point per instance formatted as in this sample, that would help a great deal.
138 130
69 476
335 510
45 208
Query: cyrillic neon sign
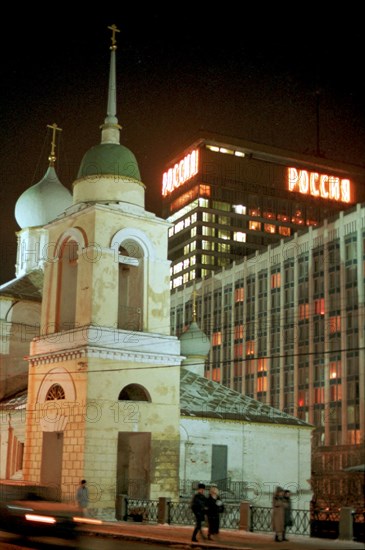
319 185
180 173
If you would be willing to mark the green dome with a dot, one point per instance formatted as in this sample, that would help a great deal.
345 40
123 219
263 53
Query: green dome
194 342
109 159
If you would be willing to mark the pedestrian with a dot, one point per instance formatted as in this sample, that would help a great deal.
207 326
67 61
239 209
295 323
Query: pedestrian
214 509
82 497
277 517
288 520
199 508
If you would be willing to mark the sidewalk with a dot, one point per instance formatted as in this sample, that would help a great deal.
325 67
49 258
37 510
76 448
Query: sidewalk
228 539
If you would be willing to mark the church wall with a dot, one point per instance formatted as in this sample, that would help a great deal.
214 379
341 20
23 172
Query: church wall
262 455
160 417
19 323
12 433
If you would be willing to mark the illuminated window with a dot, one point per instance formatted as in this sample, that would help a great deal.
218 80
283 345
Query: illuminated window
186 278
226 151
207 217
303 311
193 260
223 247
238 332
239 154
177 282
335 370
216 338
283 217
206 245
268 214
186 263
204 191
239 209
213 148
302 398
254 226
275 280
171 231
192 246
179 226
219 205
239 294
298 218
208 231
187 221
192 275
335 324
318 395
254 212
261 384
222 234
193 232
261 364
285 231
319 306
186 249
194 218
216 375
204 203
224 220
336 392
269 228
177 268
239 236
250 347
238 351
207 260
205 272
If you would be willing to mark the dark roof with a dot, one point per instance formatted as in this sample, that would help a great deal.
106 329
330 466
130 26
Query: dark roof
28 286
201 397
15 402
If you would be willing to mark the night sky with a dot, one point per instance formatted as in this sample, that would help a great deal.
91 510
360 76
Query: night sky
253 75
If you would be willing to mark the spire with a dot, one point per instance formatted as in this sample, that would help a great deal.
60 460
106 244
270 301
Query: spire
194 293
110 130
52 157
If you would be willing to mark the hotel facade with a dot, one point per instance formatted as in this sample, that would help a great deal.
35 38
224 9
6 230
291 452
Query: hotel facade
228 198
286 323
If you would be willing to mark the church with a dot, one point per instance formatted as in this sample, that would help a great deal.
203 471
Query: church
92 383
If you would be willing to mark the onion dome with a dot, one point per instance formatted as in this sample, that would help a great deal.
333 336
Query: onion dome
194 342
44 201
109 171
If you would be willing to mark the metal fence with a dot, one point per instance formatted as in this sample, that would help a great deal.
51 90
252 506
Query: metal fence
179 513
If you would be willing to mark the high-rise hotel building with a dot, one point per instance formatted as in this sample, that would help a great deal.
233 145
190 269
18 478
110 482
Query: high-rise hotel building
227 198
286 320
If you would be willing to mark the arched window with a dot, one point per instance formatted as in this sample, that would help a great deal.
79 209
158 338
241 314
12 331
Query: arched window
131 284
67 285
55 392
134 392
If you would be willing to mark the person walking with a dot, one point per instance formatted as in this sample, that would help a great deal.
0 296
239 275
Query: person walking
82 497
199 508
277 516
288 520
214 509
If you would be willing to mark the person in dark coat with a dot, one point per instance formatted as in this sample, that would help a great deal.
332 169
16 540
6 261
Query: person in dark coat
199 508
288 520
214 509
277 518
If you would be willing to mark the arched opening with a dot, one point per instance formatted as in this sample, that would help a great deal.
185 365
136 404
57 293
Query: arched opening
134 392
130 287
67 285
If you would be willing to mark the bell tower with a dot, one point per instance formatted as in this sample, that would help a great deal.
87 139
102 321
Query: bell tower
104 375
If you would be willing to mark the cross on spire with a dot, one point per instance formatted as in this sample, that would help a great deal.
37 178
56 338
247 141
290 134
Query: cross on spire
52 156
114 30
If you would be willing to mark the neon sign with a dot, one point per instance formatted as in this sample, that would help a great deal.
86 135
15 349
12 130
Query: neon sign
180 173
319 185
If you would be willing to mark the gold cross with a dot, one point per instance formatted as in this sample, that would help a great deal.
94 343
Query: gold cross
114 29
54 128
